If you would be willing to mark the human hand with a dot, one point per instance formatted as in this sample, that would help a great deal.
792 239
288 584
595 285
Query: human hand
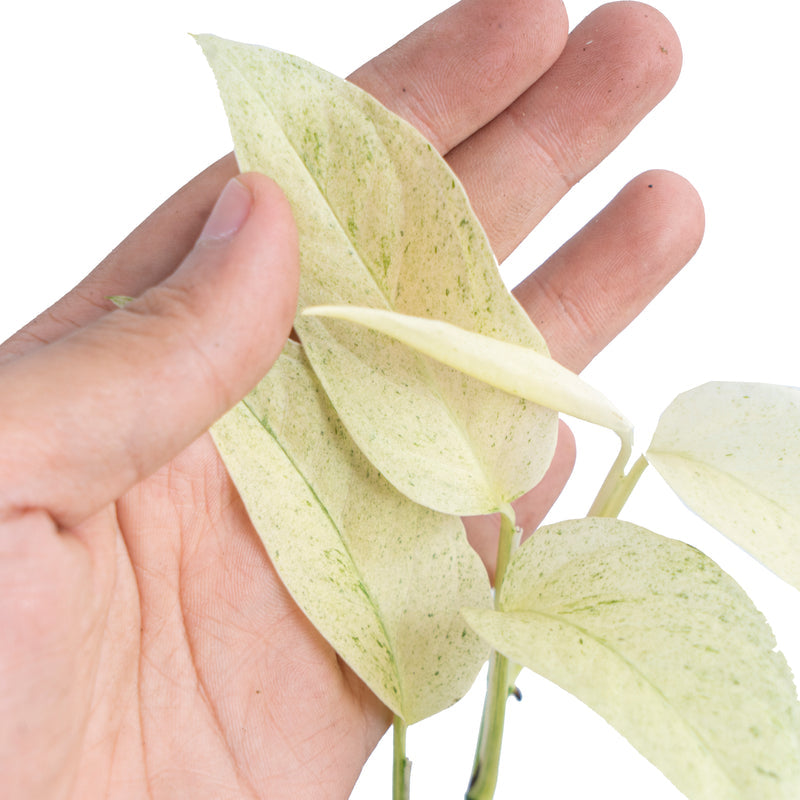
147 644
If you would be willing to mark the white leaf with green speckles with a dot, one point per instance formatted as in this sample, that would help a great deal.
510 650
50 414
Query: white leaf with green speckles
731 452
384 223
652 635
520 371
381 577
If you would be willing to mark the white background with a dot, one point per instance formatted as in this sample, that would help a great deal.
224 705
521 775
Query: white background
108 108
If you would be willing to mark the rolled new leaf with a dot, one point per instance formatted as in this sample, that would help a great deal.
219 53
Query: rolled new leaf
380 577
652 635
731 452
384 222
520 371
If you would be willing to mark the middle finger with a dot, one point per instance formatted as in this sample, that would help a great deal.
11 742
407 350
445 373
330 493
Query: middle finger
617 65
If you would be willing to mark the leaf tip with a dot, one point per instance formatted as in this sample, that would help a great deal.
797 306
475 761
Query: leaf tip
120 300
207 42
319 311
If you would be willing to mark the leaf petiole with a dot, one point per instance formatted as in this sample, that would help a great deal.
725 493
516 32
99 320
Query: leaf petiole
490 739
618 487
401 770
487 754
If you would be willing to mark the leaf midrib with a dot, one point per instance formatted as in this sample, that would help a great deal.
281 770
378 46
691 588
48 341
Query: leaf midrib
424 361
749 488
555 617
372 602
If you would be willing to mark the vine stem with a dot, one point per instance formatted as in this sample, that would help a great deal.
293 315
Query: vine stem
612 496
490 739
401 768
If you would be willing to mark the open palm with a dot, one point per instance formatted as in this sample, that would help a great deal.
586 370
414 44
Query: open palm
147 647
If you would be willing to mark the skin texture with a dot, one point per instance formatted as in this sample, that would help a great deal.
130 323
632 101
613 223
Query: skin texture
147 648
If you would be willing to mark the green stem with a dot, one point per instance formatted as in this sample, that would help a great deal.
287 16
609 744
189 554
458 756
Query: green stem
506 547
401 768
487 754
616 500
490 739
615 475
610 502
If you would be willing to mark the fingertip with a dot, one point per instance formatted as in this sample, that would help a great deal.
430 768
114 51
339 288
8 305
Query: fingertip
285 268
267 193
647 34
273 212
246 283
645 48
229 213
596 284
670 216
684 193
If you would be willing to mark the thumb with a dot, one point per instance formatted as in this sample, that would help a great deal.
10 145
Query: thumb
85 418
